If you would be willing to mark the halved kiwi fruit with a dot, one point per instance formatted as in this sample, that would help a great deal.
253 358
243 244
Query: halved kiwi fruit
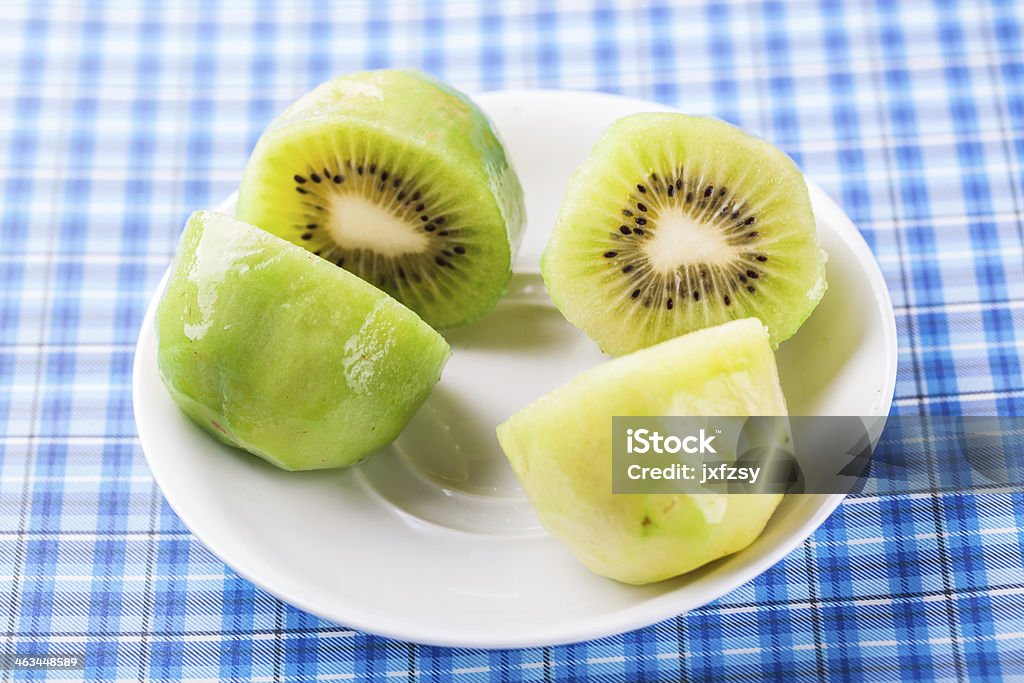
676 223
398 179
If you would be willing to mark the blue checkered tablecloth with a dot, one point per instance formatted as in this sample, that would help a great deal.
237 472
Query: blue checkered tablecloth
117 119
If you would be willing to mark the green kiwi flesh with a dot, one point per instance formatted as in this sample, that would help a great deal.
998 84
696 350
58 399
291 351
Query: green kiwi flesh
676 223
271 349
560 447
399 179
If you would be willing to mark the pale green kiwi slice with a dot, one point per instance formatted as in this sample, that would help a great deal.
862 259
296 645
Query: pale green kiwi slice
398 179
560 447
276 351
675 223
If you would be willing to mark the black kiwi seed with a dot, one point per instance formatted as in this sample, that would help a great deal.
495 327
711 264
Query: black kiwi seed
642 207
668 304
359 170
638 231
383 175
443 233
311 226
751 235
627 212
373 168
401 272
447 253
416 195
420 207
751 289
762 258
610 254
299 179
430 228
750 221
337 179
742 278
640 221
721 193
752 275
635 294
679 183
708 192
439 220
671 190
689 197
424 218
440 261
396 182
641 188
301 190
460 250
624 229
627 269
696 295
727 300
314 177
307 236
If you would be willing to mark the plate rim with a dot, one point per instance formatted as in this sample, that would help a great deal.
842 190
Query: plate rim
626 619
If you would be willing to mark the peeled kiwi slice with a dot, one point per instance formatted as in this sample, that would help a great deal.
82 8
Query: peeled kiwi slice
676 223
398 179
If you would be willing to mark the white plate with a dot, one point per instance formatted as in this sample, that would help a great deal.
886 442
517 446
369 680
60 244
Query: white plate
432 540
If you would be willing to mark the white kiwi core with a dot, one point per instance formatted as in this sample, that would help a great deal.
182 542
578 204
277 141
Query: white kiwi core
359 223
681 240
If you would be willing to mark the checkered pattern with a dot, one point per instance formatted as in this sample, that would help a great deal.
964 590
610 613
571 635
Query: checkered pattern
117 119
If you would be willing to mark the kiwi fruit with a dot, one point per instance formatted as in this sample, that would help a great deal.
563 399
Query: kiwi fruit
253 345
676 223
560 447
399 179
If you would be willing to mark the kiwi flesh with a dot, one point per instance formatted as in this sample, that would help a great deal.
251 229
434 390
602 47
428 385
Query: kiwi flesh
253 345
560 447
676 223
399 179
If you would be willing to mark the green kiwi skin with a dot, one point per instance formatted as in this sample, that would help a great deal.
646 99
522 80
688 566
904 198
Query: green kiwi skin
637 145
273 350
407 115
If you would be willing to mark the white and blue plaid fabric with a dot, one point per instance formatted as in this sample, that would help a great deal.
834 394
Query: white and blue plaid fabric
117 119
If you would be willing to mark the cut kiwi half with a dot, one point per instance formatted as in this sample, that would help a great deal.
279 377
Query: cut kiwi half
676 223
399 179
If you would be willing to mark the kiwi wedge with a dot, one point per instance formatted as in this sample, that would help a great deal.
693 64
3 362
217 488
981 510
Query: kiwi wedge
399 179
676 223
560 447
253 345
